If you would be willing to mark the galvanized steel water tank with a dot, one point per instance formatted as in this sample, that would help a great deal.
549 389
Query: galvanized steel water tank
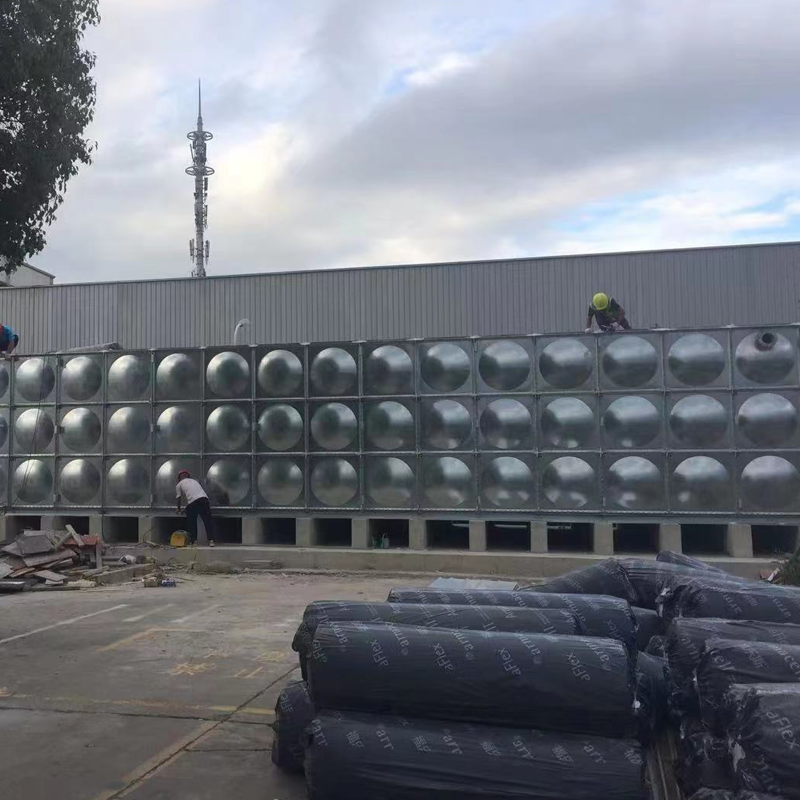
661 424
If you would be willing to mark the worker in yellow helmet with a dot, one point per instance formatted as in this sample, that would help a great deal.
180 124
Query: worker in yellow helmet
608 313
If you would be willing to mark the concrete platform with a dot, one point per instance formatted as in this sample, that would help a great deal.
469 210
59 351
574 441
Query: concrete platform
452 562
154 694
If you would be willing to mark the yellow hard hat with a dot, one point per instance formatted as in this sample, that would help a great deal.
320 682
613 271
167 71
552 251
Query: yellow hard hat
600 301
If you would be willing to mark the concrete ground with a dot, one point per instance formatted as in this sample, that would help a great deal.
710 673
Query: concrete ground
154 694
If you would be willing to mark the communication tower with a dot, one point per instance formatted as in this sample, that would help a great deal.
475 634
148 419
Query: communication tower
200 171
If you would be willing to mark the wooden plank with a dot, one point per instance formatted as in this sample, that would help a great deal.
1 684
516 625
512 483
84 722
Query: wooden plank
48 575
22 572
48 558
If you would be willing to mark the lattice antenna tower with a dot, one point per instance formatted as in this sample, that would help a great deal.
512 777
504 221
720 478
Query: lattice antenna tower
199 247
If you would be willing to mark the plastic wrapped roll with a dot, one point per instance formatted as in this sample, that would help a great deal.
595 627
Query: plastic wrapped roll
598 615
365 757
687 638
476 618
703 759
657 646
668 557
725 662
761 602
648 625
651 694
569 683
649 578
294 711
606 577
722 794
764 736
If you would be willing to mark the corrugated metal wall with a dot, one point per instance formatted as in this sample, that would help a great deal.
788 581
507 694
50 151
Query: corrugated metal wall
744 285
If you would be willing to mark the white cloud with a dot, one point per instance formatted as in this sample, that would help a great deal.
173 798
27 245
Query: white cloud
445 67
355 132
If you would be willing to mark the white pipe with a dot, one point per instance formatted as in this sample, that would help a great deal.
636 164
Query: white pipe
239 325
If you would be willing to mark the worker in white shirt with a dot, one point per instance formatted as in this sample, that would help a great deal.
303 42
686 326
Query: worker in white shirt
188 490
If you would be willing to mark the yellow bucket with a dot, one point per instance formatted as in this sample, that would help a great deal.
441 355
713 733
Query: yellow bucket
179 539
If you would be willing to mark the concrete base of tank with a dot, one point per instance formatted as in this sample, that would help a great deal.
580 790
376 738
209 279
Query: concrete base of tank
521 548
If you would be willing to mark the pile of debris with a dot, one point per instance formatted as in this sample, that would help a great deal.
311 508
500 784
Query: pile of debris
49 558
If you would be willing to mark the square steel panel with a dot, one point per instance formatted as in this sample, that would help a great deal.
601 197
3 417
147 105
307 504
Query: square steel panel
82 378
630 362
699 420
697 359
569 482
228 480
280 481
389 368
334 426
568 422
5 480
767 420
32 481
445 367
178 427
389 424
228 373
79 482
165 477
5 383
5 429
179 374
701 482
228 427
508 481
448 482
128 428
505 365
34 430
566 363
80 429
447 423
390 482
128 482
632 421
280 371
634 482
768 483
764 357
280 427
334 482
333 370
129 376
35 380
506 423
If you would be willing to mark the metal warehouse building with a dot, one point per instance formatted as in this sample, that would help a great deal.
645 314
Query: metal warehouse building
741 285
442 408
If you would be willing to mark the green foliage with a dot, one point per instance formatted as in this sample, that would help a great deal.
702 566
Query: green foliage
47 98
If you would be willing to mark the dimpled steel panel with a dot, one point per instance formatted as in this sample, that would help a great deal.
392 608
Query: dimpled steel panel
657 423
81 378
129 377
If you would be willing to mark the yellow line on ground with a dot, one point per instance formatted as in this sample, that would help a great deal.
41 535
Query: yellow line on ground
264 712
142 635
158 705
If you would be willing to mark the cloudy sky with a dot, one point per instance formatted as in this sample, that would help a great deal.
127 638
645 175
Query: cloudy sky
362 132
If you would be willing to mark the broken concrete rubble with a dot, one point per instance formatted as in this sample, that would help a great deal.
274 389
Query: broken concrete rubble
56 559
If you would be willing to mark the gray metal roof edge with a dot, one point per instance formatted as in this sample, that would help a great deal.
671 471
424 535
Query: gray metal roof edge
471 262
